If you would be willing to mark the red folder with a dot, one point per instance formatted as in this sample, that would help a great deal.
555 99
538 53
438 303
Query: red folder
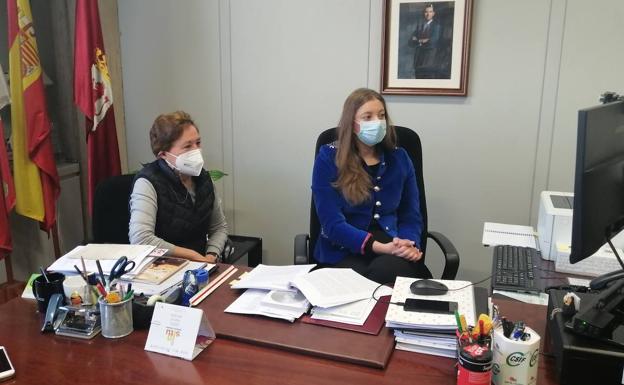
372 325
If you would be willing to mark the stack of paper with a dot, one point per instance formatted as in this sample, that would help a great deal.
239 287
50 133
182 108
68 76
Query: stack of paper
270 292
340 295
439 344
426 332
272 277
333 286
107 254
354 313
288 305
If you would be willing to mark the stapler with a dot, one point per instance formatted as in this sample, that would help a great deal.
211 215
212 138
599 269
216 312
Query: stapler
56 301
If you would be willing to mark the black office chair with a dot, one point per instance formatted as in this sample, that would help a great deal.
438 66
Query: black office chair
410 141
111 211
111 214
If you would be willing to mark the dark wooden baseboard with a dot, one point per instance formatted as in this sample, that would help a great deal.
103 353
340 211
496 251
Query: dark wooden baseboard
8 291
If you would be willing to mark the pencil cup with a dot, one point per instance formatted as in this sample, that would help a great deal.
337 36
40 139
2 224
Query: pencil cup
116 318
474 364
515 361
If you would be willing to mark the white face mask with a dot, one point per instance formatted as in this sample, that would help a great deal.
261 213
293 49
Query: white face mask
189 163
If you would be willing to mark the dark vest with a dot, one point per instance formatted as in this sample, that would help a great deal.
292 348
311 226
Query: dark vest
178 219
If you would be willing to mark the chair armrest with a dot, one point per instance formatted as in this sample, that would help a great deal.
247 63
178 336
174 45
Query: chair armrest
302 256
450 254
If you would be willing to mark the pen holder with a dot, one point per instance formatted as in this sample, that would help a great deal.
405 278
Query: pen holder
515 361
116 318
141 313
474 362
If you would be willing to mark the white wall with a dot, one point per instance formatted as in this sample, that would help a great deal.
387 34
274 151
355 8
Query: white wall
264 78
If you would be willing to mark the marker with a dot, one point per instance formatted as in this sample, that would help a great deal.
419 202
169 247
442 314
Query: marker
101 289
458 320
462 320
481 329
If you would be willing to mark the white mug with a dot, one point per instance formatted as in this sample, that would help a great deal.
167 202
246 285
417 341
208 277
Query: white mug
75 283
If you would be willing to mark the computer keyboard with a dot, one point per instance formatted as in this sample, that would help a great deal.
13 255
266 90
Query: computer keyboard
513 268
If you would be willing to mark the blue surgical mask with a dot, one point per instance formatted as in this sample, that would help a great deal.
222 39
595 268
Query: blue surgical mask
372 132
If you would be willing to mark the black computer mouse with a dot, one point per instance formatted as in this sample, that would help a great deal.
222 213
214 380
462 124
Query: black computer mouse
428 287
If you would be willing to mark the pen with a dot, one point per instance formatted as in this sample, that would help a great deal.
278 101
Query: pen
80 273
507 327
84 267
129 295
44 274
99 266
518 330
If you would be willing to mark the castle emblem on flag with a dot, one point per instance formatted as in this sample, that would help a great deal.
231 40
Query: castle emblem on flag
102 87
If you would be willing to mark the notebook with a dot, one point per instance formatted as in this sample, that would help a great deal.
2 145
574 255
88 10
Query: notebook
160 269
495 234
459 291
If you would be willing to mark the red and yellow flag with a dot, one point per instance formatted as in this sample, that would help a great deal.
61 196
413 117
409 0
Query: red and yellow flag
7 197
93 94
34 169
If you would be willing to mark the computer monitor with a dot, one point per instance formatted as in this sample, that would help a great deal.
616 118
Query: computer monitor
599 179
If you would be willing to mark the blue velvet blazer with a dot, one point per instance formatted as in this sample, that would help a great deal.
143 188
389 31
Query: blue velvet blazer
395 205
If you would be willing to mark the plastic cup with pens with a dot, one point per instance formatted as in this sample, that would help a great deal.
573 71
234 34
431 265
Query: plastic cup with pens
516 353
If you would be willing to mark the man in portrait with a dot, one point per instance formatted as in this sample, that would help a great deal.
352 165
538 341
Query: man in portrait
425 40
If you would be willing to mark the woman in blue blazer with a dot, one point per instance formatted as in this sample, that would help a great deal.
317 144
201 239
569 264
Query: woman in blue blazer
366 196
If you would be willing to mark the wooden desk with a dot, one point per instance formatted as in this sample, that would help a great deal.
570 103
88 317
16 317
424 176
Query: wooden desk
50 359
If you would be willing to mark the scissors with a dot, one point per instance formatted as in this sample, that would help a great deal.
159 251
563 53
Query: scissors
121 267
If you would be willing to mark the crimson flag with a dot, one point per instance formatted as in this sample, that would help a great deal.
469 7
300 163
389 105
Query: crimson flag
7 198
93 94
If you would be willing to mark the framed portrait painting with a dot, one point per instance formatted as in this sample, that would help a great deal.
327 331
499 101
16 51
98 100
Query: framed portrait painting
426 47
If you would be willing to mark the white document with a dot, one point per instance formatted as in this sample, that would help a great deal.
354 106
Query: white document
272 277
426 350
250 302
107 254
572 281
515 235
459 291
179 331
536 299
334 286
287 300
354 313
448 340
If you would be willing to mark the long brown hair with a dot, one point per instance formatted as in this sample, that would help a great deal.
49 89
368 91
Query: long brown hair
353 181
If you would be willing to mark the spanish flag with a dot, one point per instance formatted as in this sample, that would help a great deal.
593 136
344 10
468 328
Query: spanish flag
34 169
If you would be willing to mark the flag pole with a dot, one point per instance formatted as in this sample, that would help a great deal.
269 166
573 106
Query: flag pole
55 241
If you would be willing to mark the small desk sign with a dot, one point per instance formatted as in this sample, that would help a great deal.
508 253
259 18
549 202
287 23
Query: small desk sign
179 331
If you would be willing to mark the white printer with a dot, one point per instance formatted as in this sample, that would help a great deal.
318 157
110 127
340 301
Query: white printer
554 223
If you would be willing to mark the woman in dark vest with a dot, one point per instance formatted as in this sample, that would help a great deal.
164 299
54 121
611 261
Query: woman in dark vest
173 203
